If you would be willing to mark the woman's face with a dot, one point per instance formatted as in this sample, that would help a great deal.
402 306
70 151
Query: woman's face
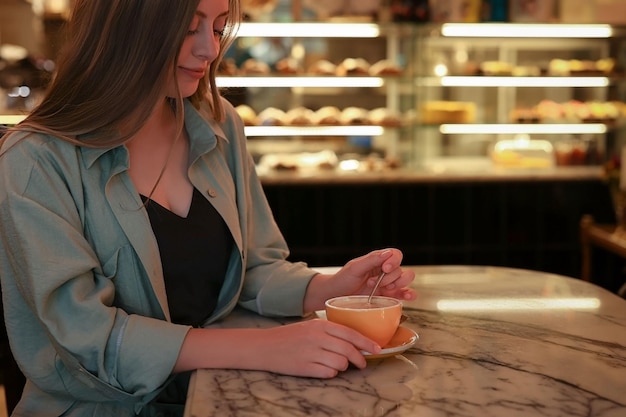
200 47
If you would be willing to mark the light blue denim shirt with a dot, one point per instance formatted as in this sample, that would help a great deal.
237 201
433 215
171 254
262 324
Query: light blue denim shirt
83 291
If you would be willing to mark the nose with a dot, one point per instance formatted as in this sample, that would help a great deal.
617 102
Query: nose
206 46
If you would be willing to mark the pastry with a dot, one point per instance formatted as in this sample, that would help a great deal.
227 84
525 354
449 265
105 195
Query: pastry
496 68
582 67
558 67
574 111
247 114
227 67
271 116
299 116
525 116
322 67
288 66
385 117
353 66
385 67
355 116
526 71
549 111
327 116
606 65
438 112
252 66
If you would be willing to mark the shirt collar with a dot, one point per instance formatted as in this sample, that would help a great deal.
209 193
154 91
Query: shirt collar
203 132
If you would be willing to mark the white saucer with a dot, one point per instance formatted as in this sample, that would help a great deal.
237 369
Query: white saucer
403 339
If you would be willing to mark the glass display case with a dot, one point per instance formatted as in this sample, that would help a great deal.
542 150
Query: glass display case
323 95
499 92
353 97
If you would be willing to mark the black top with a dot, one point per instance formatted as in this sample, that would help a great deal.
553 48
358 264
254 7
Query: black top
194 253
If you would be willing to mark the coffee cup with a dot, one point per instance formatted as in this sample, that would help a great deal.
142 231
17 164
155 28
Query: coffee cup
377 320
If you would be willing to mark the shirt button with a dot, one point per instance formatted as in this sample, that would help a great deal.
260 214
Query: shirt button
212 192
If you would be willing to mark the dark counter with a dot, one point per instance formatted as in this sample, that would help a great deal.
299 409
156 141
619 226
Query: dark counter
517 219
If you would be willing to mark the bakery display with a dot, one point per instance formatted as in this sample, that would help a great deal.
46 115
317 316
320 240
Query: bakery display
299 161
438 112
440 87
324 116
353 66
571 111
523 152
577 67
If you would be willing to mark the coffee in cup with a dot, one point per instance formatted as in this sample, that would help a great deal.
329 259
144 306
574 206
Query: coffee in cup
377 320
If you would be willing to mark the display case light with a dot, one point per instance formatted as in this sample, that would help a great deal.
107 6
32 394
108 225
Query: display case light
11 119
530 129
275 131
51 9
308 30
466 81
521 30
294 81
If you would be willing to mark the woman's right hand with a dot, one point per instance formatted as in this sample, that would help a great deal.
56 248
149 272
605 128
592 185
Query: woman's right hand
312 348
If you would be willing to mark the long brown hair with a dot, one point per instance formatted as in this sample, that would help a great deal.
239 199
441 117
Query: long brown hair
113 68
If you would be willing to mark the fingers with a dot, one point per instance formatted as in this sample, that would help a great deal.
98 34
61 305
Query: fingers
407 294
344 346
393 281
398 279
386 260
317 348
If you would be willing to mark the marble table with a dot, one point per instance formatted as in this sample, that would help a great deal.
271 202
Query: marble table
492 342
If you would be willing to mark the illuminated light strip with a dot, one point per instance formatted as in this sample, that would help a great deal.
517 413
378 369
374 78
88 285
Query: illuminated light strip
516 30
313 131
11 119
309 30
500 304
320 82
530 129
480 81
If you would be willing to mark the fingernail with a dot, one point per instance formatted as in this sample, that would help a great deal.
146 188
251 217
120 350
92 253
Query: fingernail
385 252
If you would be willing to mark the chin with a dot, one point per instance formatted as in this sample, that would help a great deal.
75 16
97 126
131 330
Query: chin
188 91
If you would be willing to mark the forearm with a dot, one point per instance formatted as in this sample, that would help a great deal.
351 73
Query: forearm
320 288
220 348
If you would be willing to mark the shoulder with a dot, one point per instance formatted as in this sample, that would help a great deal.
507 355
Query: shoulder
20 150
23 153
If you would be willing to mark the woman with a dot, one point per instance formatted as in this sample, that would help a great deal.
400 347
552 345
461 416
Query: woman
131 218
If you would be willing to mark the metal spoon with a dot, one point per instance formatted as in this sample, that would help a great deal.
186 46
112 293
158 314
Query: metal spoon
380 278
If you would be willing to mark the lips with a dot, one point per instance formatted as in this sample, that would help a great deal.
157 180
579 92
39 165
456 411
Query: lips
196 73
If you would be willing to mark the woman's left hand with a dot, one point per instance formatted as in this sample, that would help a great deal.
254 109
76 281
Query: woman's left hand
359 276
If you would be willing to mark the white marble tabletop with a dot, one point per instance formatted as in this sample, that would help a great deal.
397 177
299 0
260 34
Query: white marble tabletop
492 342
